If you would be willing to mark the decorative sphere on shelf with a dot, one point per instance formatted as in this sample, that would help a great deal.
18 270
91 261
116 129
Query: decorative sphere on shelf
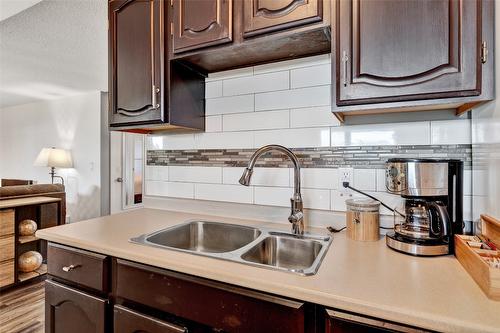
29 261
27 227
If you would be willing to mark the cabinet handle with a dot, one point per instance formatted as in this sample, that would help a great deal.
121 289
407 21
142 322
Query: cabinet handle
69 268
155 92
345 59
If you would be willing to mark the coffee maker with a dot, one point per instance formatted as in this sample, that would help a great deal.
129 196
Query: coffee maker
433 207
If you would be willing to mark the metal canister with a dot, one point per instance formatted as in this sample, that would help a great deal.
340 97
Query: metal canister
362 219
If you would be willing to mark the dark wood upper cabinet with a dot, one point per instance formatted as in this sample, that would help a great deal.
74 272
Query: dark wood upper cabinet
148 91
70 310
395 51
388 49
264 16
135 61
201 23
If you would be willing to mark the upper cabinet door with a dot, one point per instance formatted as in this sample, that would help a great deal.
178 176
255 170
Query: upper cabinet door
201 23
135 61
263 16
392 50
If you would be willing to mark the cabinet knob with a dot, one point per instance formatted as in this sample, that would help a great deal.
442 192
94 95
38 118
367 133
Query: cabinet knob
69 268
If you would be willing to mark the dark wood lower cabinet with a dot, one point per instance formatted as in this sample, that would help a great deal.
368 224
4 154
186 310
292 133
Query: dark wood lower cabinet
70 310
141 298
129 321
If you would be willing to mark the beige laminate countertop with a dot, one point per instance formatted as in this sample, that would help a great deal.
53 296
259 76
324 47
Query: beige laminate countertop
363 277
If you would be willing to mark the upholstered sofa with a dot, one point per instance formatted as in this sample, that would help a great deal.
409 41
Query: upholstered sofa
46 190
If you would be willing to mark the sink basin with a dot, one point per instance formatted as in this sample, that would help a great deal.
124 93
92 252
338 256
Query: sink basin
201 236
280 251
261 247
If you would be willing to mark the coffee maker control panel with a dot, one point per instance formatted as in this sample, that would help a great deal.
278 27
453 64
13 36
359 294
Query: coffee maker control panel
395 177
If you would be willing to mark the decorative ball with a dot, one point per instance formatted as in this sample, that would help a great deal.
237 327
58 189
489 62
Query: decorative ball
27 227
29 261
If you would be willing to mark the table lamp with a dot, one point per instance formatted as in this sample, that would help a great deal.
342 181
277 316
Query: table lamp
54 158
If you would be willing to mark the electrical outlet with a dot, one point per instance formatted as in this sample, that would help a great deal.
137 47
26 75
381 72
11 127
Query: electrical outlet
345 175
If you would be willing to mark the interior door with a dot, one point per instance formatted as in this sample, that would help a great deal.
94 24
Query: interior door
391 50
116 176
264 16
127 171
135 63
201 23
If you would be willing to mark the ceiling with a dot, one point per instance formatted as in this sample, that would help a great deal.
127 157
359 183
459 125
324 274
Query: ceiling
53 49
9 8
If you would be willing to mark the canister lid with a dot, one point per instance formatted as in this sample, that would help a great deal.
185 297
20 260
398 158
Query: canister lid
364 205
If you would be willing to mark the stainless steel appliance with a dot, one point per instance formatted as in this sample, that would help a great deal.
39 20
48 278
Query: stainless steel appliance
433 193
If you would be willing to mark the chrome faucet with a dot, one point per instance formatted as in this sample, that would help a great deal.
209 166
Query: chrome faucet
297 215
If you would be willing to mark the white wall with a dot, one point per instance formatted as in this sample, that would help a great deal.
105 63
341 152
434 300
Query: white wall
285 103
71 123
486 146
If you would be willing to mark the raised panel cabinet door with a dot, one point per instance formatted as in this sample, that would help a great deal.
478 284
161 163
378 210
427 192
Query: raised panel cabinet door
201 23
391 50
264 16
135 64
70 310
129 321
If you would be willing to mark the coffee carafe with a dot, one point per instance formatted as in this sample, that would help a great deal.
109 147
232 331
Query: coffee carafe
433 193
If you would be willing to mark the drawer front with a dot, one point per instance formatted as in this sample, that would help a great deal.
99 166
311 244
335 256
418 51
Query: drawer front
6 273
78 266
129 321
70 310
211 303
7 247
6 222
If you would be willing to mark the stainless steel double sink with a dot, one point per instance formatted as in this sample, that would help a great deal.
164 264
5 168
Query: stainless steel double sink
300 254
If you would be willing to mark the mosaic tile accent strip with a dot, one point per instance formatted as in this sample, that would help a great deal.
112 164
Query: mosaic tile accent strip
360 157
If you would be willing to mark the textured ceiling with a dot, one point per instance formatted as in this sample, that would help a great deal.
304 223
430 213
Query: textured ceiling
9 8
54 49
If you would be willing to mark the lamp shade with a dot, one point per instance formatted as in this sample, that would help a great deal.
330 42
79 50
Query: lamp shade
54 157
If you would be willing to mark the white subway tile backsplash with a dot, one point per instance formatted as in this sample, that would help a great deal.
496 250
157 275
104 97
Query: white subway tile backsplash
310 76
155 187
313 117
195 174
232 73
273 196
446 132
231 175
213 89
381 180
294 109
229 193
260 176
213 124
321 178
257 83
467 182
294 138
170 141
415 133
231 104
256 120
316 199
292 64
467 208
295 98
338 200
225 140
179 190
365 179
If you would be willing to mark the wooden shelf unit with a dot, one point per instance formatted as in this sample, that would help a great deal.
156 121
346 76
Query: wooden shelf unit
46 212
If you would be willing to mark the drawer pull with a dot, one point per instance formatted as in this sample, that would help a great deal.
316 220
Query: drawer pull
69 268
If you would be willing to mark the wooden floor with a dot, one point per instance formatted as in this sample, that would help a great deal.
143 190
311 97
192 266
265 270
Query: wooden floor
22 309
